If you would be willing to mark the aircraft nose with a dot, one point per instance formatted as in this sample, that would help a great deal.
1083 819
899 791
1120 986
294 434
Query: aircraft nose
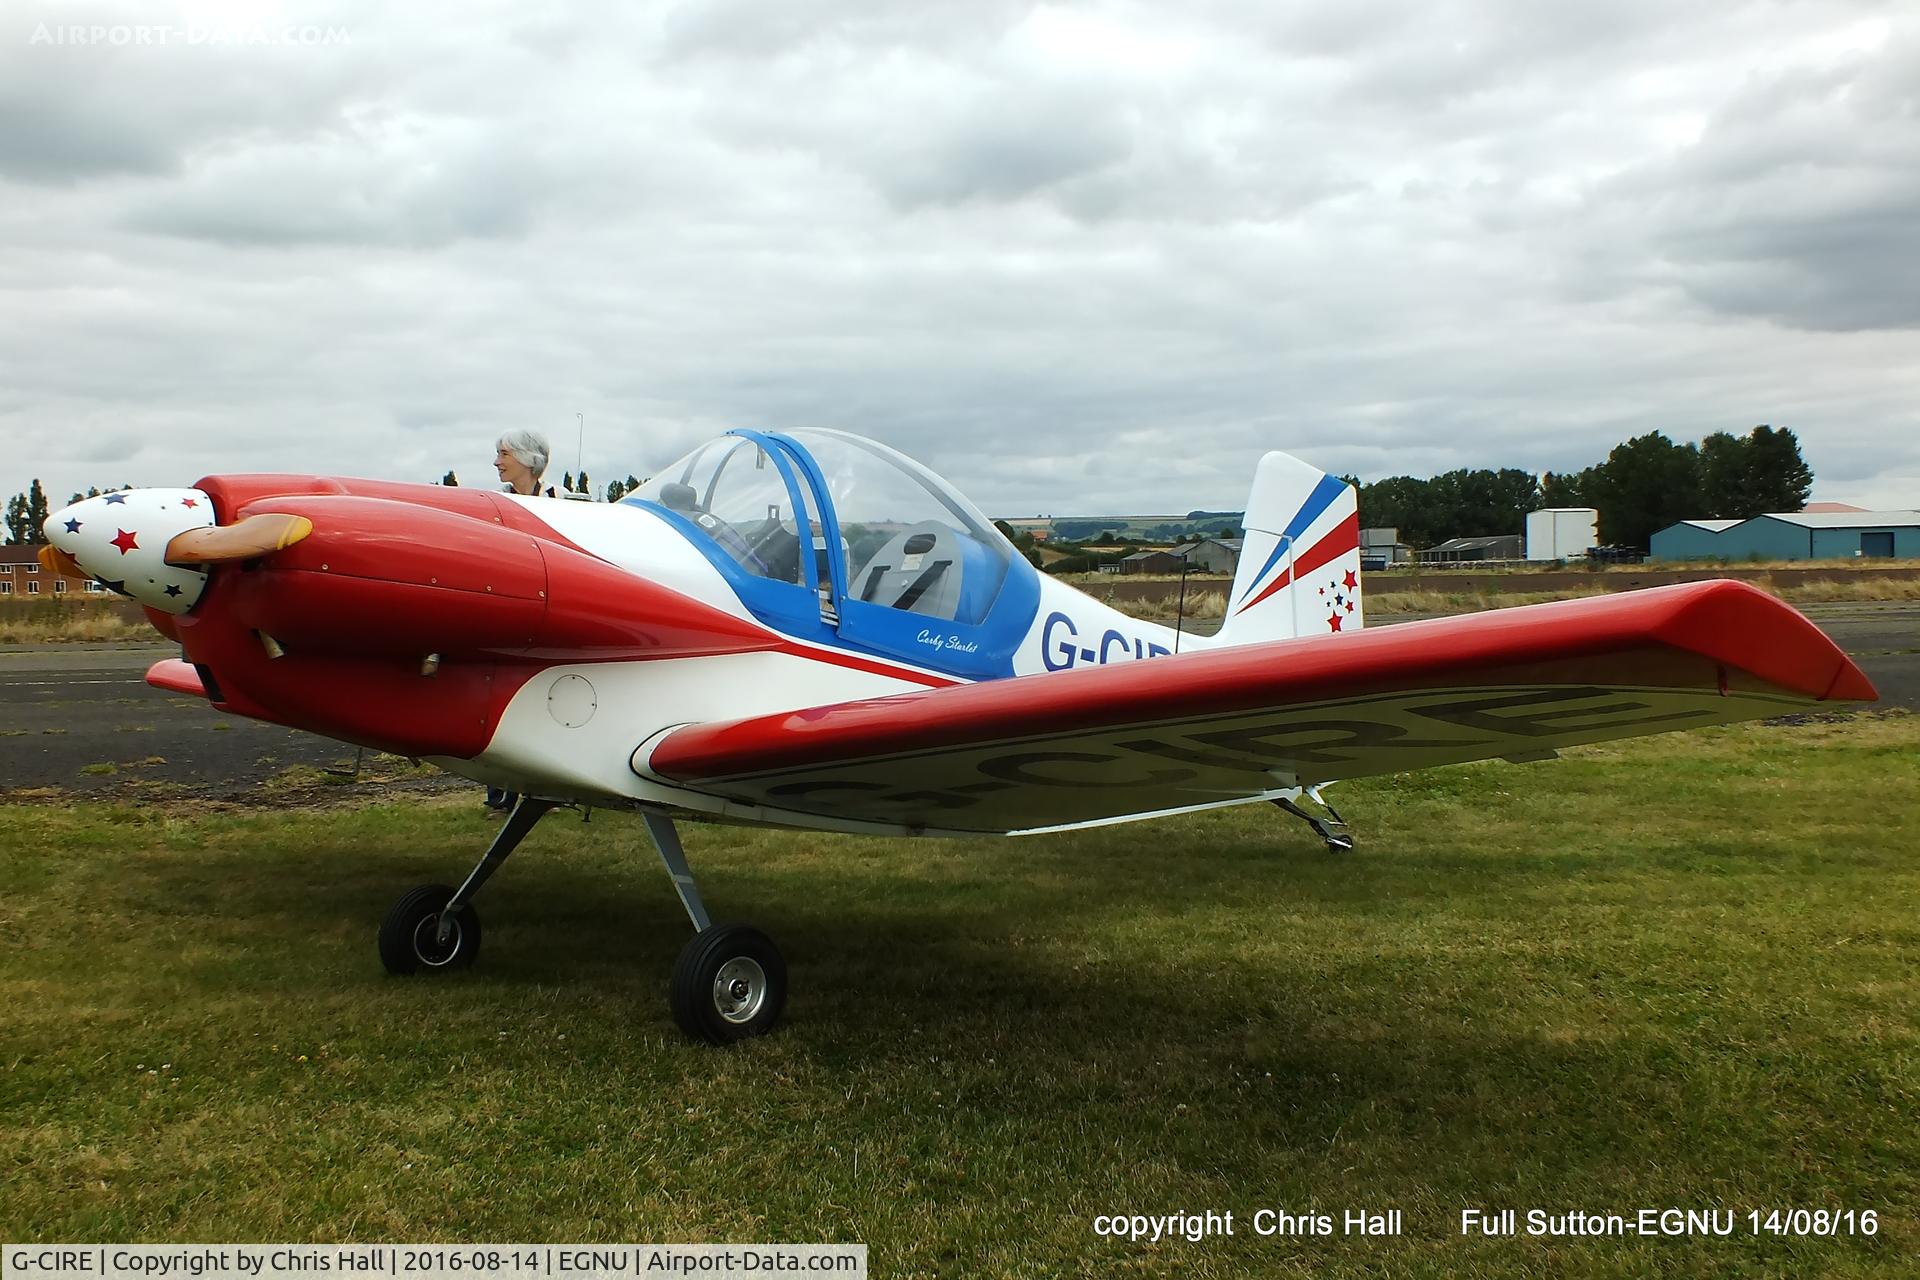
121 539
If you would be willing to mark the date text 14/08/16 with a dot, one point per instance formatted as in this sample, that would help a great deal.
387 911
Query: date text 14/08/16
1671 1222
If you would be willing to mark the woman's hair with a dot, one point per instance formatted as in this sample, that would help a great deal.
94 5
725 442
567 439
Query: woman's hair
530 447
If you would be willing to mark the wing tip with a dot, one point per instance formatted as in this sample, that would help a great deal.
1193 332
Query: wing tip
1851 685
1769 638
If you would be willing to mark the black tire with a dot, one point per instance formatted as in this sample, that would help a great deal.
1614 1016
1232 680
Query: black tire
409 936
729 983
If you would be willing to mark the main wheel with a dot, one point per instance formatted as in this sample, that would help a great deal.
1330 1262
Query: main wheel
410 935
729 983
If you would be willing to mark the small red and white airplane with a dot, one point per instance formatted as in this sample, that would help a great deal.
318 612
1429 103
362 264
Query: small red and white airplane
810 630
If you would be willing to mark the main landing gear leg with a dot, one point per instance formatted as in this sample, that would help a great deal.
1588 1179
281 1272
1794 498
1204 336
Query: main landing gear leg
730 981
1332 828
434 927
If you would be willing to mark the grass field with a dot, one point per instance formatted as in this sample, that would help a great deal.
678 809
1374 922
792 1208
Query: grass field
1679 972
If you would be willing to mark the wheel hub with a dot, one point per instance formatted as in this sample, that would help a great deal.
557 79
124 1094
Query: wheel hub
739 989
427 945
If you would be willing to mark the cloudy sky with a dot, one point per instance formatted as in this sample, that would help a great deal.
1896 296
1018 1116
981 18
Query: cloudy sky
1078 257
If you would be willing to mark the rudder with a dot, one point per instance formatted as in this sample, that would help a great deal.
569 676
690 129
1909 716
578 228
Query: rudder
1299 571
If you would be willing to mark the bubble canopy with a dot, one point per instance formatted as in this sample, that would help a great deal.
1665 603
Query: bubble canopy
840 529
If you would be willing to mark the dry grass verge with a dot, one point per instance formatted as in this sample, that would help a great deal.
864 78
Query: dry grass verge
71 622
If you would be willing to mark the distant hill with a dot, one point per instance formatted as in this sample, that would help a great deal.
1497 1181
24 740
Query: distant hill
1135 528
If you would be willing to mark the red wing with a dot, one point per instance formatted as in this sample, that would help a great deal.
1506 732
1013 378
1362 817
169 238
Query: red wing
1238 723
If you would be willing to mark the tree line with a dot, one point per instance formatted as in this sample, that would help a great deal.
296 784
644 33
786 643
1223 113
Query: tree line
1645 484
616 489
26 512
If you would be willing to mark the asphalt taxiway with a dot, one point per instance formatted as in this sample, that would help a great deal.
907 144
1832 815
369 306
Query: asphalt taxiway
81 719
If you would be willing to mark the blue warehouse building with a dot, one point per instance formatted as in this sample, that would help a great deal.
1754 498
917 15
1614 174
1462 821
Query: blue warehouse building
1690 540
1800 535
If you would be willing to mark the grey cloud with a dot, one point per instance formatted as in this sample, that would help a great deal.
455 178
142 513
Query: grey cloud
423 194
748 29
1007 150
1800 202
56 143
1085 264
78 112
998 131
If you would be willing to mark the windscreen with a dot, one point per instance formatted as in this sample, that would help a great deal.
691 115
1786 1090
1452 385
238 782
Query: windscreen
733 492
911 540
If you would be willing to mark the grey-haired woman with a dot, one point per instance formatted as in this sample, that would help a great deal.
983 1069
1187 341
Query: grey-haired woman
521 459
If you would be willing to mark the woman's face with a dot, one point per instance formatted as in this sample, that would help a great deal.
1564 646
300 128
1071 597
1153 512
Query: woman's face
513 472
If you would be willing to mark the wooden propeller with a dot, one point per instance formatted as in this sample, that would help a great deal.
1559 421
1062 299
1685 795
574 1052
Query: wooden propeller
54 560
245 540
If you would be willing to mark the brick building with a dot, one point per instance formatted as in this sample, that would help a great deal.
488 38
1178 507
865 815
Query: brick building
22 578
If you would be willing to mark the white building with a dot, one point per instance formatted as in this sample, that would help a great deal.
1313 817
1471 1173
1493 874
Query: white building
1562 533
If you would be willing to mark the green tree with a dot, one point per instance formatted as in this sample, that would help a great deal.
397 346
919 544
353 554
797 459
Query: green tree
1404 503
1750 475
26 513
1472 504
450 480
37 511
1568 489
1724 489
1646 484
1023 542
1781 478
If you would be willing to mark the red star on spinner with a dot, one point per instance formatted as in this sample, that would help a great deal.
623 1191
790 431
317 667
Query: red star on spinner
125 542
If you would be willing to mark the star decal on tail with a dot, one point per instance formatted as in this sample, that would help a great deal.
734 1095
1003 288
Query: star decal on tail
1344 593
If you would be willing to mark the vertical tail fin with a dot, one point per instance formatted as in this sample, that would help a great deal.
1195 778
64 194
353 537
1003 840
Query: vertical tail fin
1299 571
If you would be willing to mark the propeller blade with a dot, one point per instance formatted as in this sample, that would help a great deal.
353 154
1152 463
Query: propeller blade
247 540
54 560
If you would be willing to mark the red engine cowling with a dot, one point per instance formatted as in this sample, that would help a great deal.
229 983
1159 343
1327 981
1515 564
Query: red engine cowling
333 632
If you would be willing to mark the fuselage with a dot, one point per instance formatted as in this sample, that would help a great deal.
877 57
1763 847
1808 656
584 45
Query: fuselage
576 728
541 644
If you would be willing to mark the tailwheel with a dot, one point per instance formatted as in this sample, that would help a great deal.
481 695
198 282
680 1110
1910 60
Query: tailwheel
729 983
420 934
